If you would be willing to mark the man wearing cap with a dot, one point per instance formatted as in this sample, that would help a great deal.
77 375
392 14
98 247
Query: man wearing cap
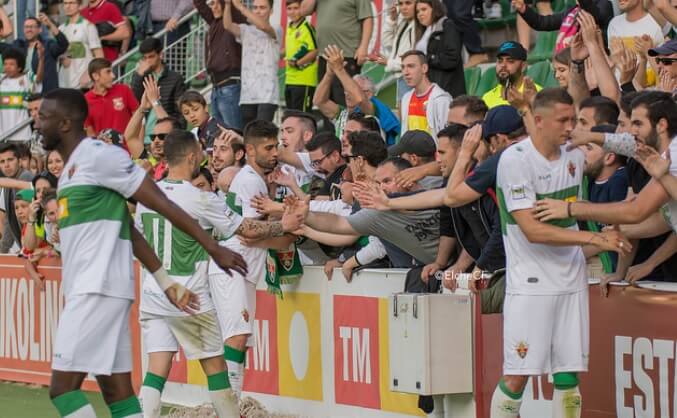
666 58
419 148
511 64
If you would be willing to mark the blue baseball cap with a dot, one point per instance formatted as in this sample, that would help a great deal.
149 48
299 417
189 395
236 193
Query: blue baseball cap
502 119
668 48
513 50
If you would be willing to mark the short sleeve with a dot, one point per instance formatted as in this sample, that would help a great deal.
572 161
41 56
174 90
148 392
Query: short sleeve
138 223
514 184
114 15
116 171
484 176
362 220
132 103
93 37
364 9
217 215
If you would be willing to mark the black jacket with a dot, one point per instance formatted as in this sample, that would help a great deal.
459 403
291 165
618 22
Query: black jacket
478 229
445 62
172 86
53 49
601 10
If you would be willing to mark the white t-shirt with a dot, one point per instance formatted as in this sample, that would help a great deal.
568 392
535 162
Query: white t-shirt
13 92
246 185
525 176
82 39
620 27
94 222
669 210
184 258
260 57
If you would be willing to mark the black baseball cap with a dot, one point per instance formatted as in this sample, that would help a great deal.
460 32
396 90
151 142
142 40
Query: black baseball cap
415 142
513 50
668 48
502 119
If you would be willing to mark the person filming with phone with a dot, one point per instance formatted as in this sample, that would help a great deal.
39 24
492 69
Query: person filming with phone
511 66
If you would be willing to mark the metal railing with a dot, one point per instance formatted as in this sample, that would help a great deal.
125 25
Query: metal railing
186 55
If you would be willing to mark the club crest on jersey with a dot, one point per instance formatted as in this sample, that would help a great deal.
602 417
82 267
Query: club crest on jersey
518 192
522 349
118 103
572 169
245 315
71 171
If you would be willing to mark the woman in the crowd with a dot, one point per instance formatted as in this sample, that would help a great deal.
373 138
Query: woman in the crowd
560 65
34 232
441 42
54 163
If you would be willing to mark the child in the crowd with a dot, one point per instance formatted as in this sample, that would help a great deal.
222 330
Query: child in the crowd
301 57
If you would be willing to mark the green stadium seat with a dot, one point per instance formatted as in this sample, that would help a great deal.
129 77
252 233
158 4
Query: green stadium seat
539 72
488 81
544 48
507 20
472 80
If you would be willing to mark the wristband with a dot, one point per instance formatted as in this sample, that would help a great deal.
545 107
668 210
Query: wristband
579 64
163 280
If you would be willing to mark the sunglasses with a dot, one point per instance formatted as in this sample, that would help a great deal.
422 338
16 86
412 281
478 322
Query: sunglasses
666 61
161 137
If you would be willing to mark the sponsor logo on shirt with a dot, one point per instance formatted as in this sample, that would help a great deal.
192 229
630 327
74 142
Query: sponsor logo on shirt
71 171
518 192
63 208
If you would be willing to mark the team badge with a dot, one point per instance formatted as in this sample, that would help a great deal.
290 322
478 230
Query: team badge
518 192
71 171
522 349
245 315
118 103
572 169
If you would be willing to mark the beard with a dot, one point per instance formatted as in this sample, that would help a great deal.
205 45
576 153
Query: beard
594 170
266 165
653 139
513 78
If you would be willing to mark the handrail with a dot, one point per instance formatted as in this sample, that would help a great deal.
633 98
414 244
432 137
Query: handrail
134 50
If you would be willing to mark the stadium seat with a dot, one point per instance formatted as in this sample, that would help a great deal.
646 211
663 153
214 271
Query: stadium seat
508 18
488 81
472 80
545 45
539 72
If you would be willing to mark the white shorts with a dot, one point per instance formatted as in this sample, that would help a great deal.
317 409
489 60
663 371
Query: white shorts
546 334
199 335
235 301
93 336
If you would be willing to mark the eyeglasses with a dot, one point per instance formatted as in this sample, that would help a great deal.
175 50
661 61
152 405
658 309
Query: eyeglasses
316 163
666 61
350 157
161 137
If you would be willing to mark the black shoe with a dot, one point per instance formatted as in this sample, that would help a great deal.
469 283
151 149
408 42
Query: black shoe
426 403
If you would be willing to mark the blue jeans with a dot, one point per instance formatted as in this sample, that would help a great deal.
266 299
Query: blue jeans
226 105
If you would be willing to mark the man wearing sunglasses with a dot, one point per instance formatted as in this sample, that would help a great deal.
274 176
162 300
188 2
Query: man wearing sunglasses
666 58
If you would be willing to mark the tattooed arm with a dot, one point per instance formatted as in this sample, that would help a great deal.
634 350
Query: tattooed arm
251 228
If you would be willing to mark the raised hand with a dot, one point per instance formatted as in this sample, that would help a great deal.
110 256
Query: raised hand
151 89
334 57
371 196
652 161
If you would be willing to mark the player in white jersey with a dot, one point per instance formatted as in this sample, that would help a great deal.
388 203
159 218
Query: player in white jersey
546 305
97 240
164 326
236 299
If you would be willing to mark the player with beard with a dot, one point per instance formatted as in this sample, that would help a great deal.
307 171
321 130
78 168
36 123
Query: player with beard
511 66
227 151
235 299
97 240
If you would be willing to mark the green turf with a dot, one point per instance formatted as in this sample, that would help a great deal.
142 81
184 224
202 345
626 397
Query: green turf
22 401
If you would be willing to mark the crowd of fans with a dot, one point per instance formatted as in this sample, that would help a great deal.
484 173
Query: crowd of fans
412 186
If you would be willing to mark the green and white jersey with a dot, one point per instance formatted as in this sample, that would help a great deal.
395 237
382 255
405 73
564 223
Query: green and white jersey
94 222
525 176
184 258
13 92
245 186
82 39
